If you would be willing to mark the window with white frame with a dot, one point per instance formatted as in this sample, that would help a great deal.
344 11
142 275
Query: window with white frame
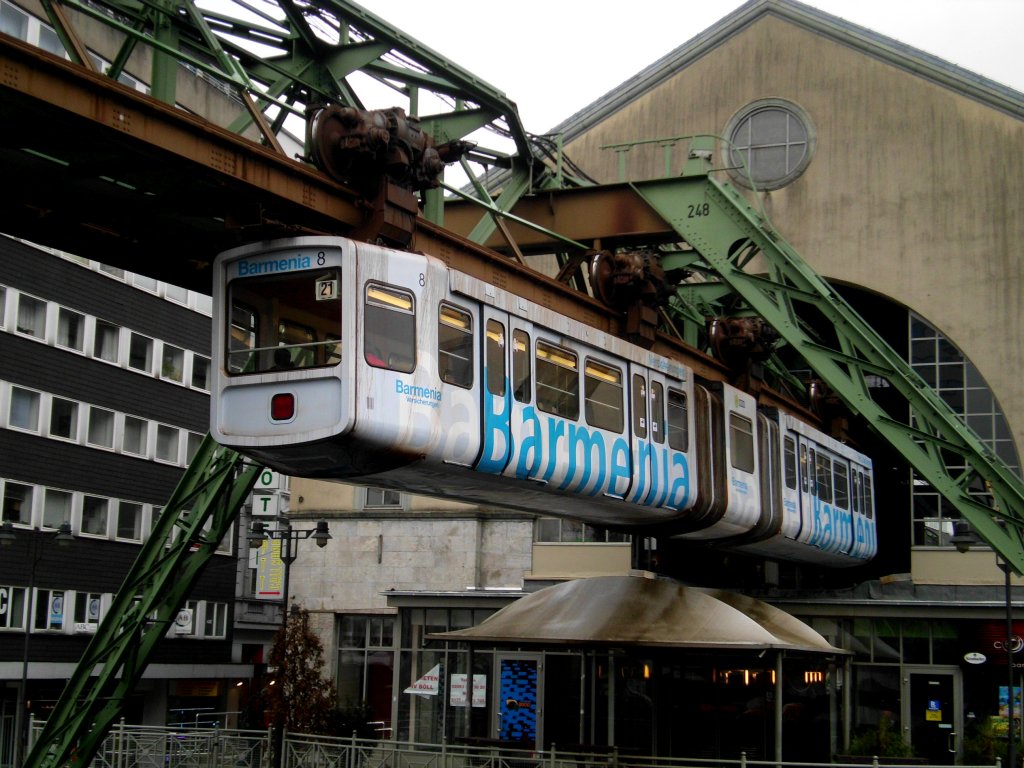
140 352
556 530
49 41
12 607
101 427
172 364
63 418
106 341
13 22
382 498
129 521
112 271
49 613
201 372
136 435
31 316
194 441
176 294
167 442
215 624
144 282
17 503
88 610
56 508
24 410
70 329
95 515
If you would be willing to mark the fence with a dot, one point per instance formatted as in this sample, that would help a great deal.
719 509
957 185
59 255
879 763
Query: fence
131 746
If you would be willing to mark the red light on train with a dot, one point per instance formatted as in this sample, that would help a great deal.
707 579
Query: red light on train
282 406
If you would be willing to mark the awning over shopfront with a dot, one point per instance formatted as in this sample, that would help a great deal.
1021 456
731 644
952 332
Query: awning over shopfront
633 610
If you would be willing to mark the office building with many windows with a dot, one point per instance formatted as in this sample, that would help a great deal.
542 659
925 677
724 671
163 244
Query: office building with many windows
104 393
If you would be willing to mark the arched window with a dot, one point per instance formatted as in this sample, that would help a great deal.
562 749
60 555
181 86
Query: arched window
961 385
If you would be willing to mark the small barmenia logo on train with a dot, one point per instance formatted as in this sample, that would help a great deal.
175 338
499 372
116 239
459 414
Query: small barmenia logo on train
422 393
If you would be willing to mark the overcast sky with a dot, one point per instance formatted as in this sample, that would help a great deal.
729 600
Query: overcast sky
553 57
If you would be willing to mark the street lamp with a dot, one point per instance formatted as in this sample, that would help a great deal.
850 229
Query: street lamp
289 538
963 537
63 537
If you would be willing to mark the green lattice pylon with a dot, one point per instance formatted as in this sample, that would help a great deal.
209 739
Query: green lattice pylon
757 264
198 515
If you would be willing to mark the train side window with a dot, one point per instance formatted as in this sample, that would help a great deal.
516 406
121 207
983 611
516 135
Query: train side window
789 449
823 477
455 346
657 412
678 421
804 468
494 346
390 328
639 406
558 381
741 442
602 396
840 479
868 506
522 381
857 496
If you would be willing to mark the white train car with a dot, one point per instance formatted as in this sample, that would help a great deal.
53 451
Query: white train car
348 361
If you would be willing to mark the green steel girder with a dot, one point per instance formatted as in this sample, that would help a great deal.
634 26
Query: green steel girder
196 518
734 240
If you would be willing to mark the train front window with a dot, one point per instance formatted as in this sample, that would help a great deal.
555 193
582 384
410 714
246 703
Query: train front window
284 322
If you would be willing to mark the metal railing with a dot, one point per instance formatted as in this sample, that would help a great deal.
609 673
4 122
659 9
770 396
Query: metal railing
133 746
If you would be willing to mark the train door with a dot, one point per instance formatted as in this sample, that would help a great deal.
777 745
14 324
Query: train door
659 440
932 712
791 519
498 358
743 506
641 483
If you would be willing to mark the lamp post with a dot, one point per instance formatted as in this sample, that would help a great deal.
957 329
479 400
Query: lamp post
963 537
63 537
289 538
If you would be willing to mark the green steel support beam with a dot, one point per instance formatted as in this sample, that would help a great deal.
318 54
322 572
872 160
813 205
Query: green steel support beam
756 263
197 516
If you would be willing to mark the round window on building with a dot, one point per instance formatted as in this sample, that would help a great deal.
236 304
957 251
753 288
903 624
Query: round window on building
771 142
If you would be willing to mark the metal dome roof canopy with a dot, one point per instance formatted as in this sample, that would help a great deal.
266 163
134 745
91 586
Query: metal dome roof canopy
638 611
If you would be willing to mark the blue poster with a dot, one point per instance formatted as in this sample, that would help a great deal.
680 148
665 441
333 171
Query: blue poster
518 704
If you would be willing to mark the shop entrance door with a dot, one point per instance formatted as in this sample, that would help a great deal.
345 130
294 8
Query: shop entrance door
933 712
519 691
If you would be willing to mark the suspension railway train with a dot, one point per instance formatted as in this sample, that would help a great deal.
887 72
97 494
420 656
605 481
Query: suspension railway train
343 360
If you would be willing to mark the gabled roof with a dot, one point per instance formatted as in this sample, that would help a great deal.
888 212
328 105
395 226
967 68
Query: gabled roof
870 43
